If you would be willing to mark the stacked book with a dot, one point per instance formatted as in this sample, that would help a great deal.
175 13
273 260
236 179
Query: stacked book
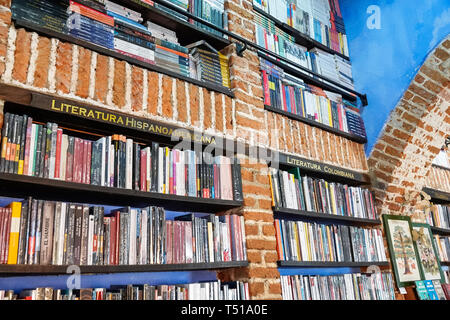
320 20
292 191
439 216
210 67
432 290
443 246
356 286
215 290
290 94
38 232
303 241
43 150
91 25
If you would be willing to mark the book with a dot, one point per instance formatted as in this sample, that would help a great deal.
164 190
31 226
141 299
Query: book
431 290
421 290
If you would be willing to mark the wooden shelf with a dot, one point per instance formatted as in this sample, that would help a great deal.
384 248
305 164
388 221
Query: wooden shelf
14 185
13 270
109 52
314 264
437 195
300 38
326 217
322 126
440 231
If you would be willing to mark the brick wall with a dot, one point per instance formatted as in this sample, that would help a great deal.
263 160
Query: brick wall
413 134
41 64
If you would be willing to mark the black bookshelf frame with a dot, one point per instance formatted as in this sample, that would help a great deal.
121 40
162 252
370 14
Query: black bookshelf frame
102 50
300 38
324 217
317 124
440 231
316 264
445 263
24 269
438 196
15 185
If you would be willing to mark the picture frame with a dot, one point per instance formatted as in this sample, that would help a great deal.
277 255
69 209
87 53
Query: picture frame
402 250
428 254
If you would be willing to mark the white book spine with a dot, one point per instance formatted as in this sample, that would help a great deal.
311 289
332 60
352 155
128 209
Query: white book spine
111 165
62 228
103 162
63 162
32 151
132 237
129 164
160 170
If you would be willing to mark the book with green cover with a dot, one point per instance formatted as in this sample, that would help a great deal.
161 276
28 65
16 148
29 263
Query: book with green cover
422 290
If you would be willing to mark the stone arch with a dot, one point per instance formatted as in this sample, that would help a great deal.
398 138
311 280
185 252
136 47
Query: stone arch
413 135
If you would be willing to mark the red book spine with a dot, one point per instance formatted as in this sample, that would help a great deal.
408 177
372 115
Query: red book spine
88 162
238 238
182 242
84 161
230 234
58 154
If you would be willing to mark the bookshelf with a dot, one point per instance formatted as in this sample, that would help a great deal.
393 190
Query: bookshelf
56 270
311 77
22 186
317 124
111 53
300 38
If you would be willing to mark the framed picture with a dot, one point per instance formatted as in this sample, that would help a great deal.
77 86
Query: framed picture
427 252
402 249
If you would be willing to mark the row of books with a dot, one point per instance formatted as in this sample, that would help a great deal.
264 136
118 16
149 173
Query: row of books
304 241
292 191
439 216
38 232
116 27
432 290
43 150
290 94
443 246
356 286
320 20
216 290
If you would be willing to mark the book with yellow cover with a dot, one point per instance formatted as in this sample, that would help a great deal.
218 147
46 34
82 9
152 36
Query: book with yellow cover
16 208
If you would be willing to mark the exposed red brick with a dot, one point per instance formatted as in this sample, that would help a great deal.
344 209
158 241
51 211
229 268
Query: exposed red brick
207 109
194 104
181 101
101 78
153 89
42 63
84 72
22 55
137 79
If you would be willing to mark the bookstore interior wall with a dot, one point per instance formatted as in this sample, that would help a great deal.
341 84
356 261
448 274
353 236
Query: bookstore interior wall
323 153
